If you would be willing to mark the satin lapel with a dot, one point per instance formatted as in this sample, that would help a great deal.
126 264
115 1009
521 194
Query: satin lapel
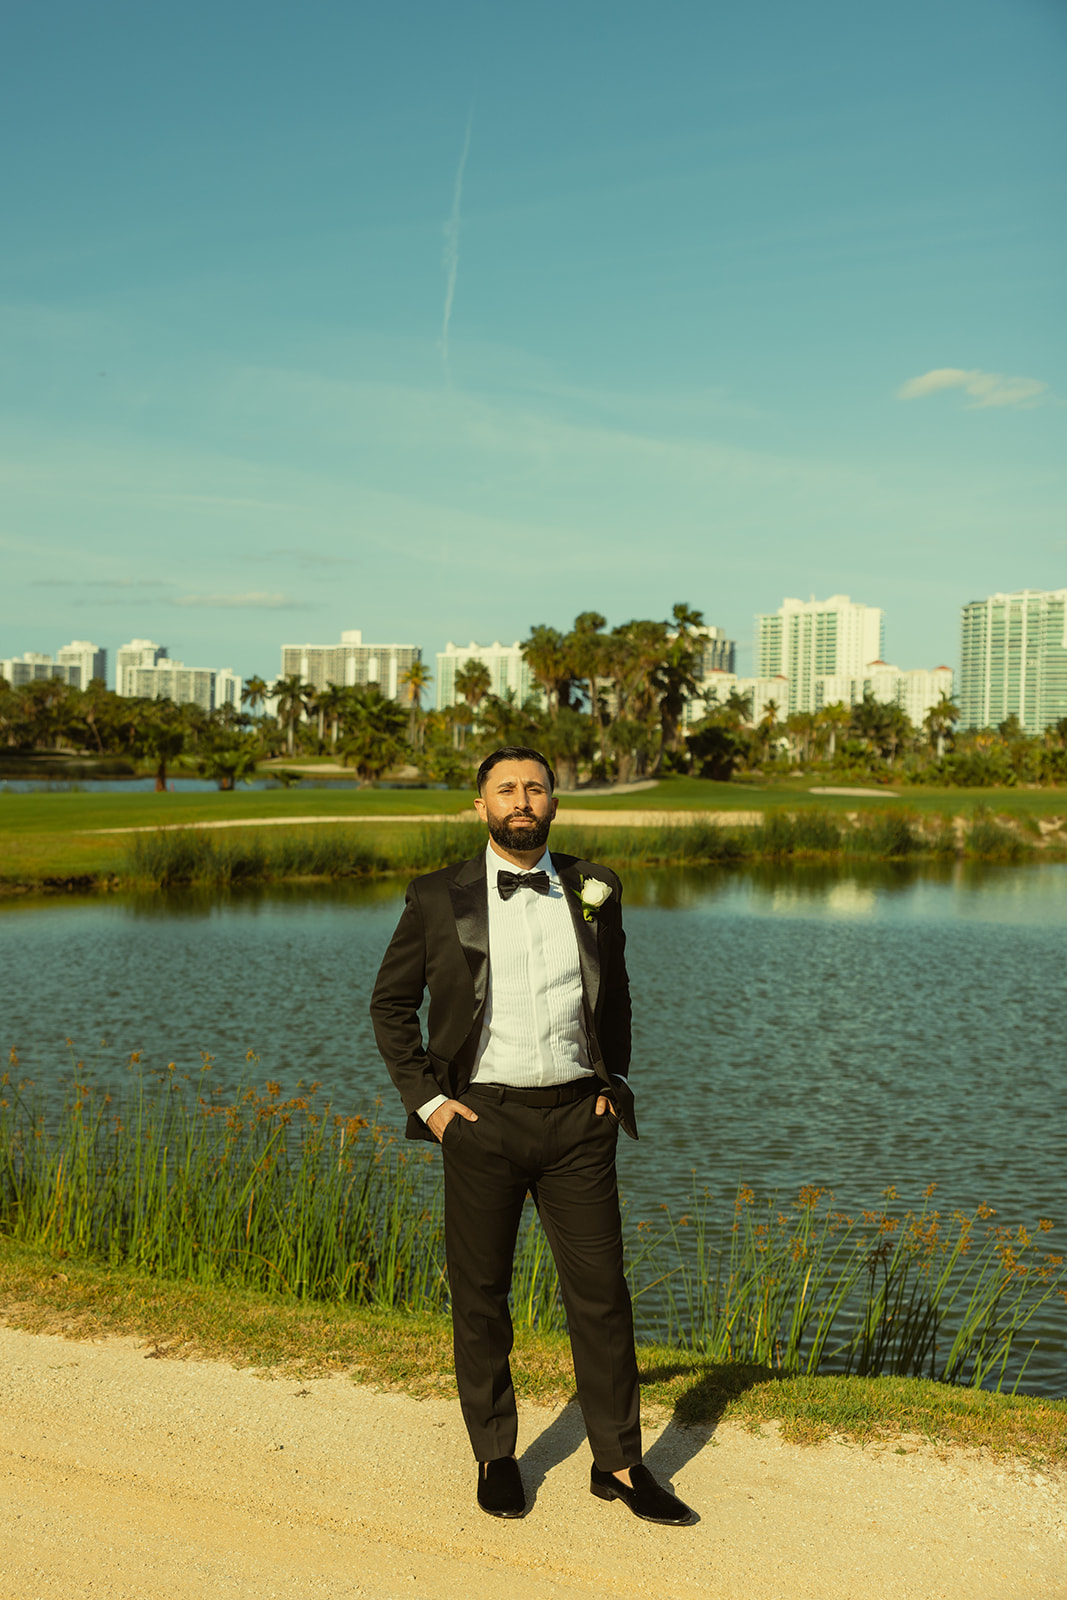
471 911
588 936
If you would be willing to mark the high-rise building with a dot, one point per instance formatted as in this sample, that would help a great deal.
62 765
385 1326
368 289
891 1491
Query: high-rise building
808 639
351 663
170 680
508 670
138 653
1014 659
720 653
228 689
144 671
90 660
33 667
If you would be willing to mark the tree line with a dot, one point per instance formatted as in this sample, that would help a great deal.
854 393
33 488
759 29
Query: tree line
608 704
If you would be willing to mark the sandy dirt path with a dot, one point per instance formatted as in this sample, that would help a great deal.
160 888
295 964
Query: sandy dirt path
132 1478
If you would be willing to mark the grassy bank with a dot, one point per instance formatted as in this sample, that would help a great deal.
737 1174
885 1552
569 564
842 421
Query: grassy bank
290 1198
59 837
224 858
45 1292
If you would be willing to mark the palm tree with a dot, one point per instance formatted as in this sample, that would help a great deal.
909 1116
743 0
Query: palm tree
768 727
940 720
48 704
897 731
678 676
567 740
548 657
632 744
800 726
587 647
292 695
230 761
161 734
736 708
417 678
834 719
635 655
869 721
374 729
255 691
503 721
882 724
330 703
315 708
473 682
92 707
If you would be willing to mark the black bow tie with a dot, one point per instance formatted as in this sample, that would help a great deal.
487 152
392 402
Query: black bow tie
508 882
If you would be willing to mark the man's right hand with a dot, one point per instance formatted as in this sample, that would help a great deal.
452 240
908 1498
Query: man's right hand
438 1120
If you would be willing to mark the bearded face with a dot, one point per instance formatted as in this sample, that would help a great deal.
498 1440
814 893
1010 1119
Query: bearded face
517 806
520 831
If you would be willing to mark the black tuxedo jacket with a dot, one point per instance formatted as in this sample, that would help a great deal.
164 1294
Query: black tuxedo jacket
441 944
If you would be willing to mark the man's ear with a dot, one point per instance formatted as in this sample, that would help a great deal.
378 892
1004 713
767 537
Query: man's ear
479 806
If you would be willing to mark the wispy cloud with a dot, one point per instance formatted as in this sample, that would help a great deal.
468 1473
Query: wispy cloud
451 253
984 388
253 600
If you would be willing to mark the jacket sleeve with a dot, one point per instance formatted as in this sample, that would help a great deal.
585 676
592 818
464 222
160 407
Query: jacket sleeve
394 1008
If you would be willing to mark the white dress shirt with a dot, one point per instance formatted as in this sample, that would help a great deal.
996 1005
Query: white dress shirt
533 1031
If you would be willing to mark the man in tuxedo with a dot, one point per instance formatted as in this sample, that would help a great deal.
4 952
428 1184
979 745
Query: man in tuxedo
523 1080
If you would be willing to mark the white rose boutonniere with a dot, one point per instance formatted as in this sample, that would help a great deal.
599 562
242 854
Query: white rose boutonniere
592 896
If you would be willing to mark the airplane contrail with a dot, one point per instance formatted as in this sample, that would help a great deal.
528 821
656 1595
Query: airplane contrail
451 252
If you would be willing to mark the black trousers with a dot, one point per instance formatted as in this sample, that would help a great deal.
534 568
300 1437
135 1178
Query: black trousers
565 1156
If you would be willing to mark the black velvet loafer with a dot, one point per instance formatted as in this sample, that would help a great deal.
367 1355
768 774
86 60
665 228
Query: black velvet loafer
500 1491
646 1499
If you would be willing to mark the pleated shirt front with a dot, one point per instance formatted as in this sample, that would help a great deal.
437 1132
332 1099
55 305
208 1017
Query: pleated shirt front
533 1033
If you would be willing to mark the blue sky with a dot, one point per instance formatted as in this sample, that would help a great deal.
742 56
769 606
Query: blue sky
441 322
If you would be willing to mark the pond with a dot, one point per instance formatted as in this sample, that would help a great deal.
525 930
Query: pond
853 1029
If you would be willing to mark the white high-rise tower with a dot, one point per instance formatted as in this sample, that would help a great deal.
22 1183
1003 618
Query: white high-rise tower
809 640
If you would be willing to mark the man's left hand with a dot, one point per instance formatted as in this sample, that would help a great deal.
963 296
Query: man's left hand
605 1103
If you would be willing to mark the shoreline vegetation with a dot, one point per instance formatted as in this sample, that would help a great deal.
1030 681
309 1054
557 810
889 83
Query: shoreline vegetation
275 1230
163 859
79 842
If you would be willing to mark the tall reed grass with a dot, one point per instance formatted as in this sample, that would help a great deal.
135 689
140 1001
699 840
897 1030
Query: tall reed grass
804 1287
286 1194
230 857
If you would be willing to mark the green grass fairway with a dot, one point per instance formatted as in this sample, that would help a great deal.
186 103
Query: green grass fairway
53 835
700 794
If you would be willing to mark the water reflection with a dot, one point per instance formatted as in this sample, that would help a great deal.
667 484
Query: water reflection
981 890
258 899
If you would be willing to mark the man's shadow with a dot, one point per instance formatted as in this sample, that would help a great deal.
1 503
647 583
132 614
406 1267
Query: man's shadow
698 1409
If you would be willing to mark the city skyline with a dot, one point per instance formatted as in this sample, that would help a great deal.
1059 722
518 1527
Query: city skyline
349 643
810 654
441 318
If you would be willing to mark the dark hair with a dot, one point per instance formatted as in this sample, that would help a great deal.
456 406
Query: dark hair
513 752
